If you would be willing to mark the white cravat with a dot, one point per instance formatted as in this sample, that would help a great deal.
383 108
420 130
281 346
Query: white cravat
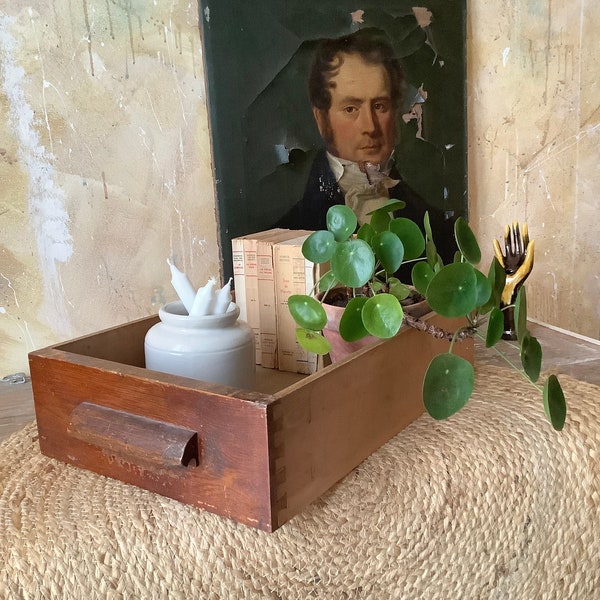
366 187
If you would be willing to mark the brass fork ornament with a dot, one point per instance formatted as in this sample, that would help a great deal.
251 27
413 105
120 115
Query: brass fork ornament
517 262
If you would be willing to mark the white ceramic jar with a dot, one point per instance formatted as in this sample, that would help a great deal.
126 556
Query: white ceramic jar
215 348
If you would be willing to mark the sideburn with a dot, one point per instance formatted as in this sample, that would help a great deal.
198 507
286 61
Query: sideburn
325 129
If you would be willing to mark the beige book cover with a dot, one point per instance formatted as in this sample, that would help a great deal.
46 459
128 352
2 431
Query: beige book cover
245 280
293 275
266 294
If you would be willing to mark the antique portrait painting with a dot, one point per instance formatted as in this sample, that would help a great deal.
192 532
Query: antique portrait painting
316 104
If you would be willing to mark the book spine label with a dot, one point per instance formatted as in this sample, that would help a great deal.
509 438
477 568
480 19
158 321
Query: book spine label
267 305
239 276
252 306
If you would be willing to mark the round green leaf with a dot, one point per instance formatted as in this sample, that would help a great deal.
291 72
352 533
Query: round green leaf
433 258
497 279
554 402
351 324
466 241
484 289
353 263
307 312
398 289
312 341
319 246
390 206
380 221
495 328
376 286
448 385
453 290
421 275
521 314
382 315
327 282
365 232
410 234
341 221
389 250
427 226
531 357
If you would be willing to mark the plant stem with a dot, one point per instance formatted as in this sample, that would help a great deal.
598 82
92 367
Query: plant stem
315 288
511 363
438 332
454 338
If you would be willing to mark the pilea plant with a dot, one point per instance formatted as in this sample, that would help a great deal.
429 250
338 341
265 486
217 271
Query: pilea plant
366 262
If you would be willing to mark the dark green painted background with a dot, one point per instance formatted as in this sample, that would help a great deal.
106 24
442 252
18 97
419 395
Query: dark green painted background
257 55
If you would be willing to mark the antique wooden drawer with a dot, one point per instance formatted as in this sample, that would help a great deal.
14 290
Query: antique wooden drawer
257 456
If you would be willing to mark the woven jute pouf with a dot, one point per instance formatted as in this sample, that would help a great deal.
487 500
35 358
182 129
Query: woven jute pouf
489 504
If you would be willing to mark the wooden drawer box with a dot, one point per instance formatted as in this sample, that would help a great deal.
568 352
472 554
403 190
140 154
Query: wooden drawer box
257 456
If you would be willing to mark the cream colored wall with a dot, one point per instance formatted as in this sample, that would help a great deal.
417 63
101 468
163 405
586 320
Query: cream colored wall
105 166
105 160
534 139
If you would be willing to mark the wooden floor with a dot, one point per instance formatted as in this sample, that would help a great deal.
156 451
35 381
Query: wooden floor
16 406
563 353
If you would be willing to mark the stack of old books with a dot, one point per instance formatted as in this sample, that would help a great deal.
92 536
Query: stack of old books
268 267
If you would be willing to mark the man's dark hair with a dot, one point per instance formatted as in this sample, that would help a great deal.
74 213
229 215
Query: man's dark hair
374 48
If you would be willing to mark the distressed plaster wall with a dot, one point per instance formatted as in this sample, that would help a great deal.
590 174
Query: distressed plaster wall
534 139
105 166
105 158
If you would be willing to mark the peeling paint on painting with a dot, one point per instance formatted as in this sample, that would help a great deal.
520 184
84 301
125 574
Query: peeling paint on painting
265 138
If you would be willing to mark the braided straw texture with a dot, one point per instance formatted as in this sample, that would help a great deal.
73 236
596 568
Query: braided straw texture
489 504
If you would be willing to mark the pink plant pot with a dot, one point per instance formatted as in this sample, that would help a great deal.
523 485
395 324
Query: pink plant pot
340 348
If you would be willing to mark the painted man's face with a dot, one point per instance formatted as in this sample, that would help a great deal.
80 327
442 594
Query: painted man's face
361 123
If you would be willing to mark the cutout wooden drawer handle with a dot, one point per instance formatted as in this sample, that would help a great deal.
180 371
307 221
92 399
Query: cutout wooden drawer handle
135 439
